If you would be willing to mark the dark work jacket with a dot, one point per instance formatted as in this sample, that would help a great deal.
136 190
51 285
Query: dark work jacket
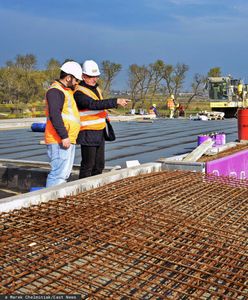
92 137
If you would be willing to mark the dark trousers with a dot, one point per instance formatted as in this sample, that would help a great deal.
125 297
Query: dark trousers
93 160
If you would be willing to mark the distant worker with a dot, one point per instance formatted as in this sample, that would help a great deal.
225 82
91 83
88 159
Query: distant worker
93 116
63 123
171 105
181 110
153 110
245 98
230 92
240 90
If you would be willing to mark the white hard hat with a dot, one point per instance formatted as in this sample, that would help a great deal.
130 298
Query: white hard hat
72 68
154 105
91 68
172 97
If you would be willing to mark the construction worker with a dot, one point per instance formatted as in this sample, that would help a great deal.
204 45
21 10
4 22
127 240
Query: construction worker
153 110
93 116
240 90
181 110
171 105
63 123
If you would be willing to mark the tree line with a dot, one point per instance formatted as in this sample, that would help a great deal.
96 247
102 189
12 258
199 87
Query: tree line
22 82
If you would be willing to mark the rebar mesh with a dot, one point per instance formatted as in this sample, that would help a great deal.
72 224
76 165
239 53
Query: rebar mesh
166 235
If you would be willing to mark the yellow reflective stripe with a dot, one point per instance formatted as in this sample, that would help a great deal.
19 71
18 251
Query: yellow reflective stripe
100 93
67 117
93 122
68 94
89 93
70 118
69 102
57 86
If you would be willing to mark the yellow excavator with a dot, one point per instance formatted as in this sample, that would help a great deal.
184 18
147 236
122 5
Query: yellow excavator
227 94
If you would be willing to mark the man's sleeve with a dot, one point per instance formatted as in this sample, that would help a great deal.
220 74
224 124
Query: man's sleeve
55 100
85 102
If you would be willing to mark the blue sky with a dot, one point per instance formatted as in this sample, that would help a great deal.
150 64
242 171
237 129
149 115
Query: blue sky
200 33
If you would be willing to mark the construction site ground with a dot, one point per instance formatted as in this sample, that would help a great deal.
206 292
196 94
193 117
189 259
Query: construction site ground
135 140
164 235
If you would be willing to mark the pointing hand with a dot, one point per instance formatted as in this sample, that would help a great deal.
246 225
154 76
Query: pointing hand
122 101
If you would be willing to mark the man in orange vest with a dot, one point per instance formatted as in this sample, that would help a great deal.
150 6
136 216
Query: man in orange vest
171 105
63 123
93 116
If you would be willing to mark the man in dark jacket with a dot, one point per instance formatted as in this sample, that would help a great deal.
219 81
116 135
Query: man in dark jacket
63 124
93 116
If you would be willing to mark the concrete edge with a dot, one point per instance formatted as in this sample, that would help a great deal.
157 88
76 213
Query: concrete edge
186 163
7 124
74 187
36 164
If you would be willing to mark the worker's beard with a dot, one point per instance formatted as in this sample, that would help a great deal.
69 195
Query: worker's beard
71 85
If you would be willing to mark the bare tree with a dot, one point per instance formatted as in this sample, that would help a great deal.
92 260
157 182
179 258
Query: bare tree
174 77
156 74
138 78
198 85
145 81
179 77
109 72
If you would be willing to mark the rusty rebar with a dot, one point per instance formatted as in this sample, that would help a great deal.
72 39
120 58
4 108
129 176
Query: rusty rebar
166 235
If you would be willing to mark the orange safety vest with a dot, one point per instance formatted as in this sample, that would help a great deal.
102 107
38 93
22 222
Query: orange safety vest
70 116
92 119
170 103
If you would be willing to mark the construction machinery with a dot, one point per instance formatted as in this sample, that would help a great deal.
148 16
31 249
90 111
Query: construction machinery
227 94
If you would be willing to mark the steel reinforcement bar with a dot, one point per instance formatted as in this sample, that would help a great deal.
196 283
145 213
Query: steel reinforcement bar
165 235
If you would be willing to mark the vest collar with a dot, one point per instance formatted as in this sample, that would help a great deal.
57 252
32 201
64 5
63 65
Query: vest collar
62 85
83 83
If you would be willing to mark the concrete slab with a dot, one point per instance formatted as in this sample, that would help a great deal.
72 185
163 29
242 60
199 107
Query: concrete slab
27 122
145 142
74 187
